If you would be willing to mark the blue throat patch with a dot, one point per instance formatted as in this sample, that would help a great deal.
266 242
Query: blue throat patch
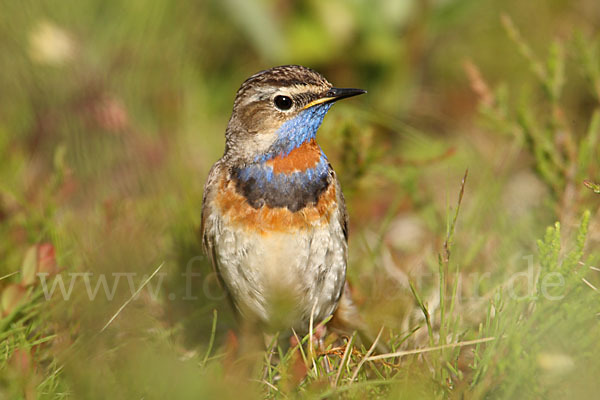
261 186
296 131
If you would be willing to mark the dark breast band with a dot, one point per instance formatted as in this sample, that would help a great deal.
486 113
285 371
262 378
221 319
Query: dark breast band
293 191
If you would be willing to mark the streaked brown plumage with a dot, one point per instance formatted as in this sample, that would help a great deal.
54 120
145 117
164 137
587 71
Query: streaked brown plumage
274 220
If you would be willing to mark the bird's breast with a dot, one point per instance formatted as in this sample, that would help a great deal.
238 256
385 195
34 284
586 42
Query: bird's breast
293 181
283 194
236 210
304 157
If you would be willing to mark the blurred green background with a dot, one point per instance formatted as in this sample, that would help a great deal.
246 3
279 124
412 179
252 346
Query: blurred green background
111 114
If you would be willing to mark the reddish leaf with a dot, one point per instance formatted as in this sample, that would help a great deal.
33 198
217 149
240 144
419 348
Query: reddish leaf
21 361
47 259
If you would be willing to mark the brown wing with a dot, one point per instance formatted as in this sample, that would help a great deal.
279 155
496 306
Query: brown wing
209 187
208 241
341 204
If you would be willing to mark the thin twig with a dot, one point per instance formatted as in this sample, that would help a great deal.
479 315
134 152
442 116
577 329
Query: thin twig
310 335
269 357
450 233
429 349
424 310
299 346
9 275
345 359
589 284
211 342
269 384
364 359
132 297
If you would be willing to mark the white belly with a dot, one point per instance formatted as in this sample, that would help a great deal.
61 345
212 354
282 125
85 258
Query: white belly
278 277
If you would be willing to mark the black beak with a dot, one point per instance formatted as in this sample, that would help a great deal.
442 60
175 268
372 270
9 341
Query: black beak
337 94
334 94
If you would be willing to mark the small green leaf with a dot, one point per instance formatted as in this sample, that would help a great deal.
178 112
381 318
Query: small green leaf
29 266
12 296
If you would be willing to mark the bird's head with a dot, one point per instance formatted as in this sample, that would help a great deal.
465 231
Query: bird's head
277 110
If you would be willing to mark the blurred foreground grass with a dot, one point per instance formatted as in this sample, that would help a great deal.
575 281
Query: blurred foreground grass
112 112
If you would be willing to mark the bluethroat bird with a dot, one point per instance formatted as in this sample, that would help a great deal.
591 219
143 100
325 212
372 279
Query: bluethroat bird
274 222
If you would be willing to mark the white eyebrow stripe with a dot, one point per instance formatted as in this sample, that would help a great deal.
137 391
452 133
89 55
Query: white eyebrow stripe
300 89
265 93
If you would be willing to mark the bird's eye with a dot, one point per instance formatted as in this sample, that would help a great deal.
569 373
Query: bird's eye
283 103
